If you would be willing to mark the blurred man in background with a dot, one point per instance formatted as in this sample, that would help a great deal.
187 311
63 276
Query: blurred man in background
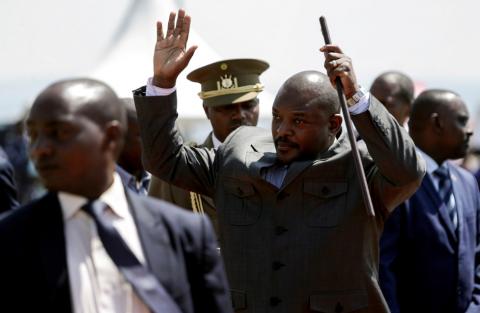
395 91
129 164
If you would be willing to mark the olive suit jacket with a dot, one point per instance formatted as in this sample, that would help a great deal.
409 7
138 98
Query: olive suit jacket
182 197
308 246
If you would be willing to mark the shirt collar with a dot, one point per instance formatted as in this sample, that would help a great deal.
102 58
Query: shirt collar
215 141
432 165
114 197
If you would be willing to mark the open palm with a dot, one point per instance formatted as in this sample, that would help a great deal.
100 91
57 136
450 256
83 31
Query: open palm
170 56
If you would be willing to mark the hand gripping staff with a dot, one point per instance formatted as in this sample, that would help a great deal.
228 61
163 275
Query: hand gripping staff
348 121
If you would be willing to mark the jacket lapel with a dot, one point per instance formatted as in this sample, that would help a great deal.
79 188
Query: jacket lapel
208 143
261 155
51 245
296 168
442 209
155 240
152 238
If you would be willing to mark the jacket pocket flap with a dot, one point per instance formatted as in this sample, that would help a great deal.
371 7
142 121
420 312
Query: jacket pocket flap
239 299
239 188
324 189
339 302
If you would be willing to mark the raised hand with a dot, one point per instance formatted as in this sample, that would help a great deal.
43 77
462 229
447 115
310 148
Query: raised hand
339 65
170 56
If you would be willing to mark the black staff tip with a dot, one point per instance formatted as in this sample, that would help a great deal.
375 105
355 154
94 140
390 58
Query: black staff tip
325 32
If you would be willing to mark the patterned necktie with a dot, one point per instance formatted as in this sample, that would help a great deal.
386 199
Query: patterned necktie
445 190
143 282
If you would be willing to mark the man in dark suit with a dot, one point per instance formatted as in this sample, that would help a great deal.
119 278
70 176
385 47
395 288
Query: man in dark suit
296 236
430 248
8 189
90 245
226 112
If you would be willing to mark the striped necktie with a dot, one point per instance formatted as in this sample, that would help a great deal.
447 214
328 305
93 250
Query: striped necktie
445 190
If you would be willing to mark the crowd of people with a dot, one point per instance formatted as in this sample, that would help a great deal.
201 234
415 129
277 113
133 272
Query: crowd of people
250 220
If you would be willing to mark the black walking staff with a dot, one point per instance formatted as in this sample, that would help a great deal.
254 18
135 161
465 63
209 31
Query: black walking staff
348 121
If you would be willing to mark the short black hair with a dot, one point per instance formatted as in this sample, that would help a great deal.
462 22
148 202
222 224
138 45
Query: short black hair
427 102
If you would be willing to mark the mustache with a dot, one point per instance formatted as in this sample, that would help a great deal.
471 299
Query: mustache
285 141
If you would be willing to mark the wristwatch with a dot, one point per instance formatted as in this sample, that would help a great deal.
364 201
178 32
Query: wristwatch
356 96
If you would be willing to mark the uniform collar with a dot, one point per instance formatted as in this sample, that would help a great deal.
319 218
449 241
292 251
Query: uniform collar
215 141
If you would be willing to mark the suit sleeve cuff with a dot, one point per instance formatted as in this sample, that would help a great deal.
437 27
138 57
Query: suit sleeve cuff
361 106
153 91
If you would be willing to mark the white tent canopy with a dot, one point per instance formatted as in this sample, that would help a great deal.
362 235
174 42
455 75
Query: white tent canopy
128 62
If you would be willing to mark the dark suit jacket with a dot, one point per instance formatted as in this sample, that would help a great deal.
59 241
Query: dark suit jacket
426 266
182 197
8 189
180 249
308 246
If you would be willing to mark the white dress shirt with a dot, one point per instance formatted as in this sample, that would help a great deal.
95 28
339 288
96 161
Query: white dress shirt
96 285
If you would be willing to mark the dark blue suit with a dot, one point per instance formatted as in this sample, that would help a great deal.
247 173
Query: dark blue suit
425 264
180 250
8 190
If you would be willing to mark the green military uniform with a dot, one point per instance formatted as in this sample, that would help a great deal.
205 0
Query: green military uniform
222 83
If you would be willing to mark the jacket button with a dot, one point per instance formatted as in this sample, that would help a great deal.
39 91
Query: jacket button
277 265
274 301
282 195
325 190
279 230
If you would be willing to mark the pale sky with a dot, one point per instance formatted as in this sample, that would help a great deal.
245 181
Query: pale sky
434 41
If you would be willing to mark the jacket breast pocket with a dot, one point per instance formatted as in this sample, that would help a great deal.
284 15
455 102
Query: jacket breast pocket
242 202
324 202
339 301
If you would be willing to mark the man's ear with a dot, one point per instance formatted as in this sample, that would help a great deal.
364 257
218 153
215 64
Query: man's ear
335 123
114 136
436 122
207 112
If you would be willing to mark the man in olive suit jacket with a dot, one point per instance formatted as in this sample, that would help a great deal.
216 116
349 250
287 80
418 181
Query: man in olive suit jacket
296 236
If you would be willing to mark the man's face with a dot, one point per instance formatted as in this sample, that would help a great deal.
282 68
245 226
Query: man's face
456 131
66 147
388 95
227 118
300 131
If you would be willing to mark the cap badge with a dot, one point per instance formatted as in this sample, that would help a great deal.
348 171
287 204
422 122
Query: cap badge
227 82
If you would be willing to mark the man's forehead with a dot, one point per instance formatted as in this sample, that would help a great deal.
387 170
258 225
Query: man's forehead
51 112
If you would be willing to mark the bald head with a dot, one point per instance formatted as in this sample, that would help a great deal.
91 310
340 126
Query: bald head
311 88
76 129
305 117
91 98
431 102
396 91
439 124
